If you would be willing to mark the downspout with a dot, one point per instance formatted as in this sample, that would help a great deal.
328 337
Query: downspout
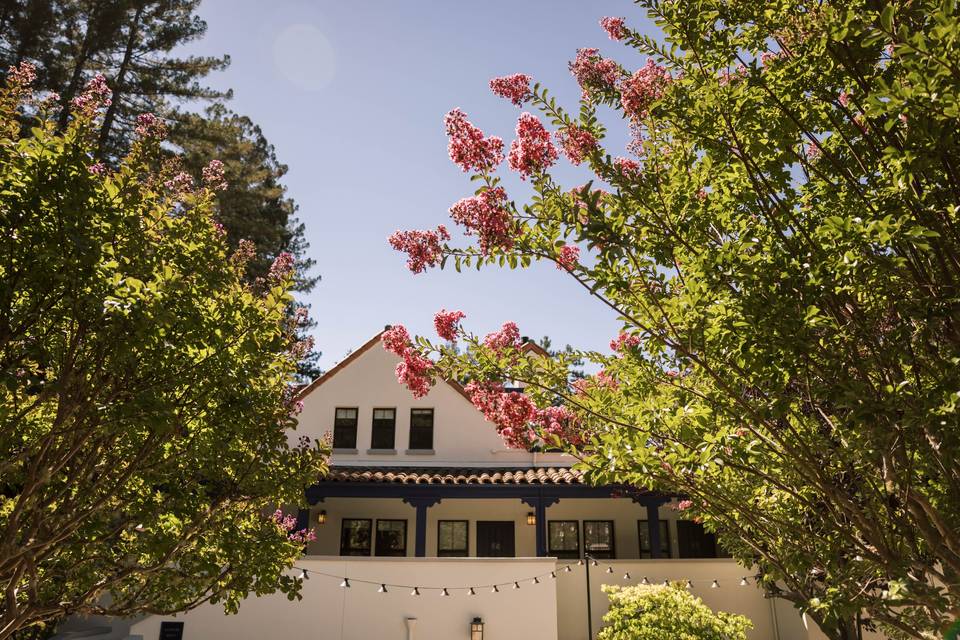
411 627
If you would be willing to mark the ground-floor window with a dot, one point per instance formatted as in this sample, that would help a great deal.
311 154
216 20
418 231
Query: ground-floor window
693 541
495 539
391 538
355 537
598 538
452 538
563 538
643 531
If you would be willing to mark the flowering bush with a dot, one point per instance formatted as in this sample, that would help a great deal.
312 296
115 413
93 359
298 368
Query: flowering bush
779 239
649 612
146 399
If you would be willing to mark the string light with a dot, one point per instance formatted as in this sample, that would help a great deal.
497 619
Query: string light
305 574
516 585
609 569
566 569
382 589
553 574
580 562
689 584
415 592
346 583
594 563
666 582
626 576
536 580
444 593
495 589
644 581
743 582
715 585
471 592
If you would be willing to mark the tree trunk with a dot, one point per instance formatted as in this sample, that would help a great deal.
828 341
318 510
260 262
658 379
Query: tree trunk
118 82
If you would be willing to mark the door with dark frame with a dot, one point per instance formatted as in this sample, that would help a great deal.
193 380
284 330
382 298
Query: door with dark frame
495 539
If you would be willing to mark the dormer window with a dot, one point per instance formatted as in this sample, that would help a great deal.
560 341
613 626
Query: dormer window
421 428
345 429
384 428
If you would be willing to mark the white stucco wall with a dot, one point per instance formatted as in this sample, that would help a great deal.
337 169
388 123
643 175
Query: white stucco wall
461 436
328 612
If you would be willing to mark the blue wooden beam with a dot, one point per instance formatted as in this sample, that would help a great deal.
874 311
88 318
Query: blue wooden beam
421 504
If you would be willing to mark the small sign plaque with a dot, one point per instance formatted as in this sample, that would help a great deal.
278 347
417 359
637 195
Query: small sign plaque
171 631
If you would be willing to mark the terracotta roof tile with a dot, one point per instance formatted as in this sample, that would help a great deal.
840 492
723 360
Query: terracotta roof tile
458 475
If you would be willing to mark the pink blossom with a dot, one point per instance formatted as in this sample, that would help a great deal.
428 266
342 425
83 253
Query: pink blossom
701 194
814 151
95 95
180 183
304 536
844 98
604 379
511 412
97 169
683 505
614 27
576 142
301 348
213 176
560 422
624 342
445 322
508 337
567 257
301 316
486 215
768 57
468 148
593 72
281 268
627 167
416 372
532 151
245 251
396 340
515 88
150 126
297 408
22 75
423 248
219 228
580 386
643 88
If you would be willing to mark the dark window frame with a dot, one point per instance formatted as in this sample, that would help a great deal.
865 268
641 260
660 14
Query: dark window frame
337 429
454 553
643 533
613 540
415 446
703 540
373 429
563 553
376 542
343 528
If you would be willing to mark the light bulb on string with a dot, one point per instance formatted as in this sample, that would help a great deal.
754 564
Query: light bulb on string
743 582
345 584
689 585
553 574
305 575
644 581
471 592
715 585
609 569
536 580
626 576
567 569
594 563
444 593
580 562
415 592
666 582
382 589
495 589
516 585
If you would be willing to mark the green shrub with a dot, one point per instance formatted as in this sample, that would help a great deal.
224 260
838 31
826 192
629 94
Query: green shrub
662 612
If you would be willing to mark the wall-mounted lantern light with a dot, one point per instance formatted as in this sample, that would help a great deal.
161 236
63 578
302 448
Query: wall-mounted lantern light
322 517
476 629
531 519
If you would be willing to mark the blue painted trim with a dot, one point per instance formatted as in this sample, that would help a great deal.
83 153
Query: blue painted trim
421 504
323 490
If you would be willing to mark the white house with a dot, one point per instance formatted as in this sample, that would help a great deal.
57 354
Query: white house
427 522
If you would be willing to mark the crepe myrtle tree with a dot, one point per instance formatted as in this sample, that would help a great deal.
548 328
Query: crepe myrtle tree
781 243
145 404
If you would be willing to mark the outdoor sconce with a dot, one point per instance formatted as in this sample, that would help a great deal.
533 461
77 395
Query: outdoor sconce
531 519
476 629
322 517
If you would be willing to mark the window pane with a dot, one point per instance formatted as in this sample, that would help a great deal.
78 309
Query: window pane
384 428
421 428
598 538
563 538
644 533
694 541
345 429
452 538
391 538
355 537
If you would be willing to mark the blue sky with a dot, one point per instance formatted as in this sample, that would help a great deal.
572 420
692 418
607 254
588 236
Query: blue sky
353 94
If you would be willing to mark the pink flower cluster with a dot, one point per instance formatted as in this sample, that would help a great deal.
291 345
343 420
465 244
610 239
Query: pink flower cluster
515 88
423 248
508 337
567 257
97 168
213 176
416 371
180 183
21 75
486 215
244 253
577 143
844 98
532 151
614 27
281 268
287 523
150 126
445 322
627 167
683 505
624 343
468 148
517 418
95 95
605 380
301 348
560 422
643 88
594 72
